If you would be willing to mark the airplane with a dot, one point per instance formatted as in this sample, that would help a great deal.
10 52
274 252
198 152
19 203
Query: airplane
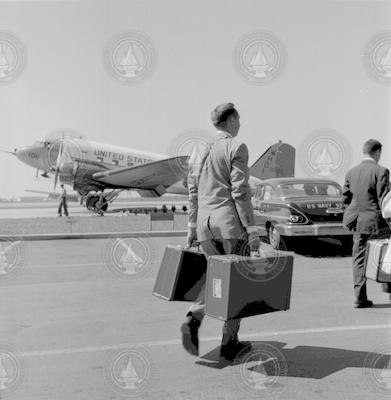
99 172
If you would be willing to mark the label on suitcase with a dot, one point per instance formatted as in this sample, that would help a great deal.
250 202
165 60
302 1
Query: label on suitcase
378 263
181 275
239 287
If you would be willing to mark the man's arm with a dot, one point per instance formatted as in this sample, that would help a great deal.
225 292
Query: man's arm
383 185
347 195
240 188
192 186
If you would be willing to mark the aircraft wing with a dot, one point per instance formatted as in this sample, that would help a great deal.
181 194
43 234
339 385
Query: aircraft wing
156 175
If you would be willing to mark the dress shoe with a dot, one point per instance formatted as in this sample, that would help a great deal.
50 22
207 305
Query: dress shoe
230 350
189 331
363 304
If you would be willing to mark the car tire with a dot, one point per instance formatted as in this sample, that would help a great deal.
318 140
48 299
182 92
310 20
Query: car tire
347 245
275 239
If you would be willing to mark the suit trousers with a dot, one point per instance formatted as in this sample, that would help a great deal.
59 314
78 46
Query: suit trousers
358 257
220 247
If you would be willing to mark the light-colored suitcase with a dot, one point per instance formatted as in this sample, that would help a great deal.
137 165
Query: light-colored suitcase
377 268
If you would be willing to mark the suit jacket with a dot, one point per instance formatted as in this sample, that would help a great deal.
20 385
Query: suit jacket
220 196
365 187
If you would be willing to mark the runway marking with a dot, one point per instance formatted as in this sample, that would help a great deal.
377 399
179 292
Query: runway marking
92 349
66 265
97 264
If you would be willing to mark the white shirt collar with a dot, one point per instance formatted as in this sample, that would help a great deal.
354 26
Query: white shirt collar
224 133
368 158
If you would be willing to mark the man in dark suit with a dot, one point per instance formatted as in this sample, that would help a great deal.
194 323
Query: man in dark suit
365 187
221 216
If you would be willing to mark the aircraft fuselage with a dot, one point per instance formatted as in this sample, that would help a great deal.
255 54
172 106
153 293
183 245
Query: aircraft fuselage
43 156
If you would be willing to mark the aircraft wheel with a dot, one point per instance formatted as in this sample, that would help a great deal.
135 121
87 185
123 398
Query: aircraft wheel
91 202
274 238
105 207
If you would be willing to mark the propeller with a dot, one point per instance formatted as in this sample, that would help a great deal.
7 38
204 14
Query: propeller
65 163
58 162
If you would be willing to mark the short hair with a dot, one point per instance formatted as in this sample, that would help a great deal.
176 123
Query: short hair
222 112
371 146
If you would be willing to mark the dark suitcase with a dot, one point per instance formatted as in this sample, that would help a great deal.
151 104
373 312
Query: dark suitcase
181 274
376 267
239 287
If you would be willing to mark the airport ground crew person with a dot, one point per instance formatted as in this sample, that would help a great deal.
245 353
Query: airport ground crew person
63 202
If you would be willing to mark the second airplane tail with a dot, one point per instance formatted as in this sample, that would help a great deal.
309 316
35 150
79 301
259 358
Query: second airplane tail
278 161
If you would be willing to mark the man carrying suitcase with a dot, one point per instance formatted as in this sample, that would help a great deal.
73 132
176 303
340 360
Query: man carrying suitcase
221 216
365 187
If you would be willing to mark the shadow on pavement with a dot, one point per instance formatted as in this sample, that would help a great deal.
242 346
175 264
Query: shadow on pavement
384 305
299 362
320 247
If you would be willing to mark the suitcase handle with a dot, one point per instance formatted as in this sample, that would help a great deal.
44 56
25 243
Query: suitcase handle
195 244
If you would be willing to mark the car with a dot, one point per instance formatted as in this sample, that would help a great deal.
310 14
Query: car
287 208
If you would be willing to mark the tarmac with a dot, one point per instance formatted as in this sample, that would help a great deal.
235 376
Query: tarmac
49 208
76 322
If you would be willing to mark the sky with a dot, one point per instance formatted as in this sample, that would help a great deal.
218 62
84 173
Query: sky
321 87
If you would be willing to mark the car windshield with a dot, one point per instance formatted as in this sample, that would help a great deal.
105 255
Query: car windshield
305 189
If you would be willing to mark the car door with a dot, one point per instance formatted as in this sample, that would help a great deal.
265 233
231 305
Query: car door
260 207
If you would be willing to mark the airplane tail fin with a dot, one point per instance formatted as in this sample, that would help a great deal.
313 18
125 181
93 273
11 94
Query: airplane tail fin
277 161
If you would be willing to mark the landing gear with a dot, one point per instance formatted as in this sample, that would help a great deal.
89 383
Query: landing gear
97 204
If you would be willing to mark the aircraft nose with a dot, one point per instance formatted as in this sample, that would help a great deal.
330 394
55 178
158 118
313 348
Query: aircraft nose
29 155
21 154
